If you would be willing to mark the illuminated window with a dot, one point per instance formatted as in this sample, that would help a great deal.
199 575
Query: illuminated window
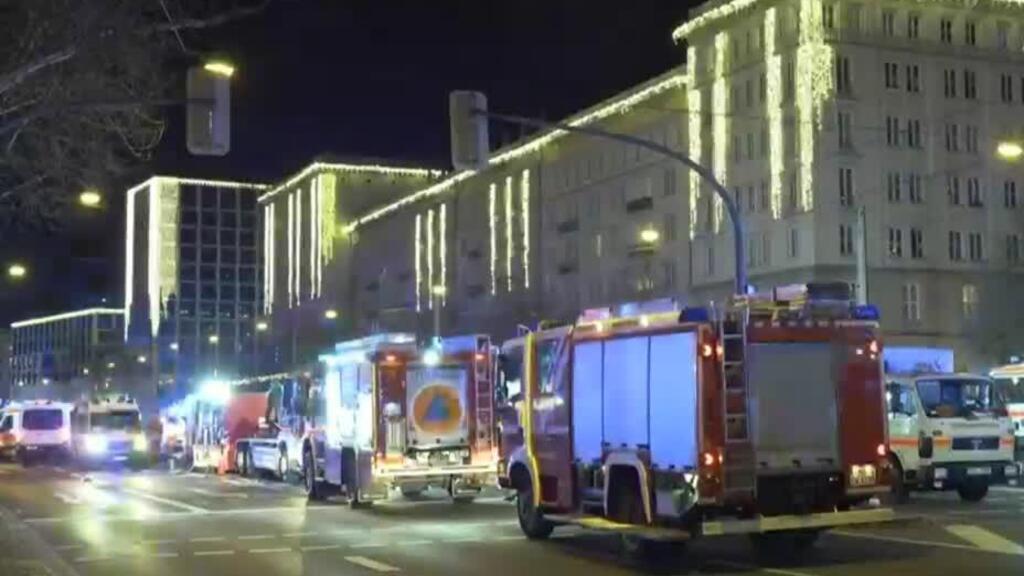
912 302
969 297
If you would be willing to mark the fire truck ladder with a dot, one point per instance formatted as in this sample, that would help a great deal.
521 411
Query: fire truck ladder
739 463
484 376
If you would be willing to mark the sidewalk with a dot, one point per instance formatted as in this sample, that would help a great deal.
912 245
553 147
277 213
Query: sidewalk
23 553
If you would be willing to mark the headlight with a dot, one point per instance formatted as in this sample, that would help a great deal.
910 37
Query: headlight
95 444
140 443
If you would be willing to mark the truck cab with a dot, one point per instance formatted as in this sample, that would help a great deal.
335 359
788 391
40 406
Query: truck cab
108 430
949 431
1009 381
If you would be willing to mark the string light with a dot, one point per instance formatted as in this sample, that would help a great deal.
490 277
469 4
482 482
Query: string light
696 144
720 123
153 256
314 237
67 316
443 243
524 191
774 105
129 257
291 247
713 15
430 254
418 256
509 240
492 216
267 236
272 255
329 216
298 246
352 168
814 69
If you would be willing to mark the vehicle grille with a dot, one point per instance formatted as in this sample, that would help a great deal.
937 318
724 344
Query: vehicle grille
120 446
976 443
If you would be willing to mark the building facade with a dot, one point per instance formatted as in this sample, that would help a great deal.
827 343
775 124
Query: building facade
64 355
192 277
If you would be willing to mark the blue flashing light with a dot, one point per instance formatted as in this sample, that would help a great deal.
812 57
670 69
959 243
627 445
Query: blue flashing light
694 315
866 312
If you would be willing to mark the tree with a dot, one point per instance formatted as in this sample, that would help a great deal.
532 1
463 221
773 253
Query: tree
84 87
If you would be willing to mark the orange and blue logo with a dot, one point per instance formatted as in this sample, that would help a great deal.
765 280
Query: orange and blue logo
437 409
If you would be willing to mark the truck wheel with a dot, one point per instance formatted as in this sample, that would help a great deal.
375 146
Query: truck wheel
973 490
411 492
314 489
531 520
282 465
241 461
900 490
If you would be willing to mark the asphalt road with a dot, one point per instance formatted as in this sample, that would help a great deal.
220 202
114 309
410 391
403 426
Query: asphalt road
58 522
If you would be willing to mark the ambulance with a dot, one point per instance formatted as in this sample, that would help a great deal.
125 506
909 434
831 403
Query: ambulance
36 429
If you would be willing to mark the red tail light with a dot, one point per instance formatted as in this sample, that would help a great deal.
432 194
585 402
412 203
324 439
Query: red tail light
881 450
709 459
707 350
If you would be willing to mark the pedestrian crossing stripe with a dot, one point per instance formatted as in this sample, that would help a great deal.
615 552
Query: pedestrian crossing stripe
985 539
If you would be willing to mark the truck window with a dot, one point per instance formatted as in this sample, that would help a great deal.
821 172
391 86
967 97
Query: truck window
510 369
957 397
42 419
7 423
116 420
900 400
547 355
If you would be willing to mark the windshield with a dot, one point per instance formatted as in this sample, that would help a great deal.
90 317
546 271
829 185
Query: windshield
42 419
116 420
957 397
1011 392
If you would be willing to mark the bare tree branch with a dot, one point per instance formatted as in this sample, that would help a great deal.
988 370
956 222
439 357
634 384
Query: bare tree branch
18 76
211 22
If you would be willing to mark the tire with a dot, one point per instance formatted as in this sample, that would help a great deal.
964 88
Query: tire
900 491
283 467
411 493
531 520
973 491
314 488
241 461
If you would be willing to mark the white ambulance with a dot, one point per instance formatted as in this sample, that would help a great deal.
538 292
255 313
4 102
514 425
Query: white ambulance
35 429
947 431
108 430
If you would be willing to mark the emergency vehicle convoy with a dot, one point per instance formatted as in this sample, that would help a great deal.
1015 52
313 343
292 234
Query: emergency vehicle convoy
946 430
766 416
393 415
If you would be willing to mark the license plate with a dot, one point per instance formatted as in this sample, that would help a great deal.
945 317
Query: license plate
979 471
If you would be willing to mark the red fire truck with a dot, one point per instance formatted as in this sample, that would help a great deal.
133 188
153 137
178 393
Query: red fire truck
766 417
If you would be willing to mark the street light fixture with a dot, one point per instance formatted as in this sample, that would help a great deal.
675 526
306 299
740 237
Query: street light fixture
141 359
17 271
649 235
90 199
220 68
213 339
1010 150
262 326
331 314
111 365
174 346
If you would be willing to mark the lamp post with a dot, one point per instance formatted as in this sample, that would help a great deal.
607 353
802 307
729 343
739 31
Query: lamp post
90 198
16 271
1009 150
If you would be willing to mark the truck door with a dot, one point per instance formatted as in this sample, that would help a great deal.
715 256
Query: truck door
551 420
904 427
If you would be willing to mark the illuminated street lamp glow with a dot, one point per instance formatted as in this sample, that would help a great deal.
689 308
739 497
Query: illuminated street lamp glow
649 235
17 271
439 290
262 326
111 365
85 371
331 314
1009 150
213 339
174 346
141 359
219 67
90 199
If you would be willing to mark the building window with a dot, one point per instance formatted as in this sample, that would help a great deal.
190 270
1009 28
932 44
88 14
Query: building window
845 125
975 247
911 302
845 240
913 78
846 187
843 84
895 242
793 245
970 33
710 259
766 249
892 75
750 145
892 131
1006 88
1013 248
949 83
970 85
1010 194
914 189
946 31
737 148
956 246
751 200
670 227
893 187
971 139
889 23
1002 35
828 16
952 137
916 243
914 133
913 26
953 190
974 198
970 301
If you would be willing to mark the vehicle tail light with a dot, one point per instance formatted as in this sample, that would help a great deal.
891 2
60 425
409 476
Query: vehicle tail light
709 459
873 347
881 450
707 350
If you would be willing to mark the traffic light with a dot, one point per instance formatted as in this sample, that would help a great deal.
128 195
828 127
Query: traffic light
467 114
208 120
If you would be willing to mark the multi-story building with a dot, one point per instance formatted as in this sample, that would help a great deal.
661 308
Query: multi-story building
307 283
192 276
64 355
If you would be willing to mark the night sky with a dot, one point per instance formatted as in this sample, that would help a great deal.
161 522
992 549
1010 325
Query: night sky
368 79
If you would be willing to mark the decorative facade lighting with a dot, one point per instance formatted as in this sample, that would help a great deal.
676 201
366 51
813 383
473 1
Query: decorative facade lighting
291 249
814 86
509 239
418 258
298 246
524 192
430 253
773 63
694 132
492 216
720 123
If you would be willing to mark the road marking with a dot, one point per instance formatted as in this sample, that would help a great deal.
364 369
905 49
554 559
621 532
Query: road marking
164 555
215 494
167 501
67 547
319 548
754 567
67 498
413 542
369 545
256 537
371 564
985 539
157 542
87 559
269 550
506 538
208 539
299 534
464 540
901 540
215 553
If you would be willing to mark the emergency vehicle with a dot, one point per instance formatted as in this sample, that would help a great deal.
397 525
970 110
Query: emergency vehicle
1010 384
107 430
766 416
34 429
398 416
217 415
946 430
276 444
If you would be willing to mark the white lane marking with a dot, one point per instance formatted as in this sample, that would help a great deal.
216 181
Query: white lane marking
214 553
299 534
369 545
413 542
1015 490
505 538
256 537
754 567
157 542
901 540
371 564
215 494
67 498
985 539
463 540
167 501
164 555
320 548
86 559
269 550
208 539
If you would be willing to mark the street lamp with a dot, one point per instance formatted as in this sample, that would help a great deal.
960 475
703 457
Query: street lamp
90 198
331 314
649 235
220 68
17 271
1010 150
111 365
141 359
213 339
262 326
174 346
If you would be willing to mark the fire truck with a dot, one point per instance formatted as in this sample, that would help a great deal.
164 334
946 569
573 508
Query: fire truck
396 415
765 416
1008 382
275 449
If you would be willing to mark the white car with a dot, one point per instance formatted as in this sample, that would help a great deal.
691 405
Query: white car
35 429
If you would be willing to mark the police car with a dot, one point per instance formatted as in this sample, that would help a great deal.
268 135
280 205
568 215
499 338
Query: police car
35 429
